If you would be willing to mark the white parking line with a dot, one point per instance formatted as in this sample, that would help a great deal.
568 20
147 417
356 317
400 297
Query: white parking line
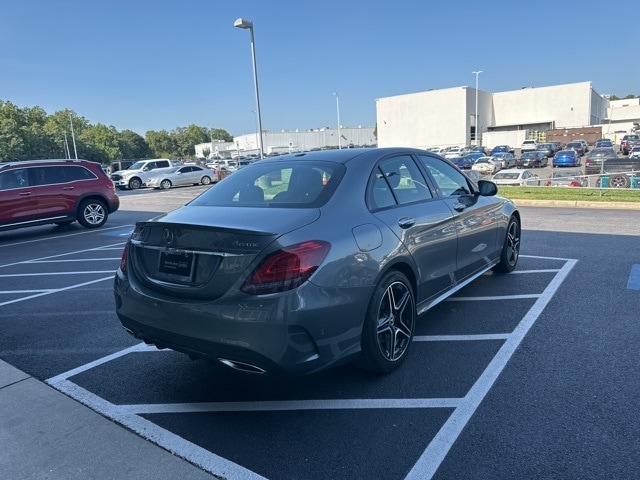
440 445
48 274
57 290
49 238
84 260
93 249
461 338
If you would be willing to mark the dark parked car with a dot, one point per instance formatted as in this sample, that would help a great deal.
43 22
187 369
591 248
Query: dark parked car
535 159
566 158
119 165
462 163
547 148
577 146
507 160
299 263
38 192
594 159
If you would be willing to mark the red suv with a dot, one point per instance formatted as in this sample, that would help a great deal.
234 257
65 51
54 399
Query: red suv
37 192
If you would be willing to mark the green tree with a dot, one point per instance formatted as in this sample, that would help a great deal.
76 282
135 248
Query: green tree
187 137
219 134
161 143
58 128
133 145
100 143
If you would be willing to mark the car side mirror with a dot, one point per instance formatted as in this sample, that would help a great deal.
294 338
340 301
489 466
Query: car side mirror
487 188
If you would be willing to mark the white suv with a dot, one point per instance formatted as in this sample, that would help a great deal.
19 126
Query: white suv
137 174
528 146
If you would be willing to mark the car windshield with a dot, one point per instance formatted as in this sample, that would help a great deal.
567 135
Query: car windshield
298 184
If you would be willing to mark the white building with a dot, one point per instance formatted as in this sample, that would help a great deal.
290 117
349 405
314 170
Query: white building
441 118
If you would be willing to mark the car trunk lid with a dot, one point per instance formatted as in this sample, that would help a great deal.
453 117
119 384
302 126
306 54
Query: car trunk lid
201 252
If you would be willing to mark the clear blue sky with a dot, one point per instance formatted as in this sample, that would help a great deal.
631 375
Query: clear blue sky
154 65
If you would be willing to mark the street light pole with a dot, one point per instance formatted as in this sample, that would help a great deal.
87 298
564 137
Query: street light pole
257 128
476 116
248 24
338 110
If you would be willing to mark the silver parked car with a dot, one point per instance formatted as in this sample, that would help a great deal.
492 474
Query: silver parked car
299 263
181 176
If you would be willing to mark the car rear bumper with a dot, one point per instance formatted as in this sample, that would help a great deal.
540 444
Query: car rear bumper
282 335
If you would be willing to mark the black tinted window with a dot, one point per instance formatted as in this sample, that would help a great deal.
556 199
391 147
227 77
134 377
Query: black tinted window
73 173
397 180
16 178
49 175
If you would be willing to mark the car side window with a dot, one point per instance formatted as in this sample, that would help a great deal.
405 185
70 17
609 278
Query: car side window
397 181
73 173
16 178
450 181
49 175
161 164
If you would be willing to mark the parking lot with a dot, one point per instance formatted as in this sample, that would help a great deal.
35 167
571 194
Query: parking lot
529 375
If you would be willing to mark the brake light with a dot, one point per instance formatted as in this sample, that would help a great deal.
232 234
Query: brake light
548 184
574 184
286 269
123 260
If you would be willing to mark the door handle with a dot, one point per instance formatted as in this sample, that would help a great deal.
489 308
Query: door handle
458 207
67 188
406 222
24 194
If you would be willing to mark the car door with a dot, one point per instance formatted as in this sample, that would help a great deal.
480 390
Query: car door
401 198
476 217
18 202
193 175
56 196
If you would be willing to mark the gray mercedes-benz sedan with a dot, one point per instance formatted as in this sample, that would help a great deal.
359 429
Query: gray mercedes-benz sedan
305 261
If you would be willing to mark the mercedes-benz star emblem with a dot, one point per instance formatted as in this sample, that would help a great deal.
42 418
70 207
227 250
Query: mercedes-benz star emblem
167 236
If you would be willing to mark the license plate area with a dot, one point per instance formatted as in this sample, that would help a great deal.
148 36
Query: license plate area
177 266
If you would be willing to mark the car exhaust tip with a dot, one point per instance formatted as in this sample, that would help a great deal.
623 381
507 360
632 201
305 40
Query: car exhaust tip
241 366
129 331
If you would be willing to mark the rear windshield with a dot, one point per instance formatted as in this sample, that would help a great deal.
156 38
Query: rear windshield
298 184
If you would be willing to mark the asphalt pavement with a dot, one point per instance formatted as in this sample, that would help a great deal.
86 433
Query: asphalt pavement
46 435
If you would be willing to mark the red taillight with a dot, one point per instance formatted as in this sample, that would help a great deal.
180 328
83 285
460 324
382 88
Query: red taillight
123 260
286 269
548 184
574 184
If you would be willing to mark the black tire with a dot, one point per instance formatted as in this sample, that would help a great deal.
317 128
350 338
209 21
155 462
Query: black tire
165 184
389 324
92 213
135 183
619 181
510 249
205 180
